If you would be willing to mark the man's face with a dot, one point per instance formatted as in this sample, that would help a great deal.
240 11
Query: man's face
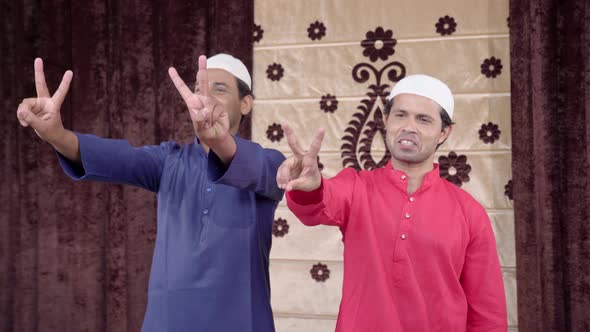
414 129
223 86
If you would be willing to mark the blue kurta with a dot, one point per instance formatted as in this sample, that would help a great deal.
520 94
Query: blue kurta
210 266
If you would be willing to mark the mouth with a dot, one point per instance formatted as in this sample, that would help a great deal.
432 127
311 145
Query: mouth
405 142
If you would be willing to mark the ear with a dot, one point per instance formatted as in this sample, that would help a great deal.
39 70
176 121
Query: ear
444 134
246 105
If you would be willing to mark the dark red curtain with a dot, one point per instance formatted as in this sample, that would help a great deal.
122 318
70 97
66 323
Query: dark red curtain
76 256
550 68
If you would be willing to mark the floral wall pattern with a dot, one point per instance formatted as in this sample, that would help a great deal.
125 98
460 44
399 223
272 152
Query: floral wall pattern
330 64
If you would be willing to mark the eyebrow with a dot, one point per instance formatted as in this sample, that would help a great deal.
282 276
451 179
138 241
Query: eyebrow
420 115
215 84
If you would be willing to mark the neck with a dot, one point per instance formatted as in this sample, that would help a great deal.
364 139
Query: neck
414 171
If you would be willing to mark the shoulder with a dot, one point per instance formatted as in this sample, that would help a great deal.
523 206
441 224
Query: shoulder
473 211
248 146
274 154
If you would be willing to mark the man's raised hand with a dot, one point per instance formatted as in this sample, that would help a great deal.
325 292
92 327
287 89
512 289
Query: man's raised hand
300 171
210 121
42 112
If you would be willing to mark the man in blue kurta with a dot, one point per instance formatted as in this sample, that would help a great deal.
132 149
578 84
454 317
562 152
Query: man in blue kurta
216 200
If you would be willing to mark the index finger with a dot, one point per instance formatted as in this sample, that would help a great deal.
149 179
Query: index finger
202 77
40 84
62 90
292 140
184 91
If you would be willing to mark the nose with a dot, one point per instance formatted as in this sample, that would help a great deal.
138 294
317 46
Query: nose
409 125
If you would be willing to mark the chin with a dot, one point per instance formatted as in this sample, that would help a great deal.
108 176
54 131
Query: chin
408 157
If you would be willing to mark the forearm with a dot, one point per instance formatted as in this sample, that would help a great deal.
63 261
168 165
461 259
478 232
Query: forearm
482 279
67 144
329 204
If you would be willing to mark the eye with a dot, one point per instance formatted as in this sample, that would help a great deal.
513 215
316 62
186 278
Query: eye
425 120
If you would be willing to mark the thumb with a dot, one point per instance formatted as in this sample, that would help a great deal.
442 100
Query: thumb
304 184
297 184
27 118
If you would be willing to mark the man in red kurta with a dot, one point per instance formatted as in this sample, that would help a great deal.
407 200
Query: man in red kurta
419 252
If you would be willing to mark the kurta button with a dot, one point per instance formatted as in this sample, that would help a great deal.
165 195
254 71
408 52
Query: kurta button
404 236
407 216
403 177
208 190
412 199
205 211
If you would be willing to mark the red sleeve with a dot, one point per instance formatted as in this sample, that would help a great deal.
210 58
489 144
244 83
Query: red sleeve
329 204
481 279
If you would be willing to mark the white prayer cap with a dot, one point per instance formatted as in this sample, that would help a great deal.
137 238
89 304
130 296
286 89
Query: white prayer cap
426 86
232 65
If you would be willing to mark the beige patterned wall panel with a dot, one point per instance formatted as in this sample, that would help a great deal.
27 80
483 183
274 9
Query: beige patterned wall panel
295 69
488 178
310 72
309 324
322 243
511 300
503 225
287 21
474 111
295 293
306 117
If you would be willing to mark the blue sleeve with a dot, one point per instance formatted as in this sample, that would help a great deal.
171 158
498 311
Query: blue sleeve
252 168
113 160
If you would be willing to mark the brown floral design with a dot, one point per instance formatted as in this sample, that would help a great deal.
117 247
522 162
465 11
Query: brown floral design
280 227
491 67
446 25
329 103
489 133
508 190
454 169
320 272
258 33
379 44
275 72
275 132
366 125
316 30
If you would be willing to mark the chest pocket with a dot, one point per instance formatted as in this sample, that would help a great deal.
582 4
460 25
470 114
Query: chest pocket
233 208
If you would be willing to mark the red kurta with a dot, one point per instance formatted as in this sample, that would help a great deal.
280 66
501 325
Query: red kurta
420 262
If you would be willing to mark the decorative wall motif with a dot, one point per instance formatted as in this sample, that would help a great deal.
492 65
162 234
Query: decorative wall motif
367 125
316 30
491 67
320 272
280 227
446 25
454 168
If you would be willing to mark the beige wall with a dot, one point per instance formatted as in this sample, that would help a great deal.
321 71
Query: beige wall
315 68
